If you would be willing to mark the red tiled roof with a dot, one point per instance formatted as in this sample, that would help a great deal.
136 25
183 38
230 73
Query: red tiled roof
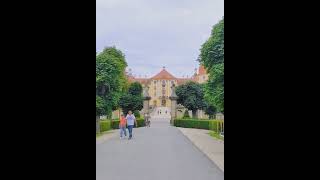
163 74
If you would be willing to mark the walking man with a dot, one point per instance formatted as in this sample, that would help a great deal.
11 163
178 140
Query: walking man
130 122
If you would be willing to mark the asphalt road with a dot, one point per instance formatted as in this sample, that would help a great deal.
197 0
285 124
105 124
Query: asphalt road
160 152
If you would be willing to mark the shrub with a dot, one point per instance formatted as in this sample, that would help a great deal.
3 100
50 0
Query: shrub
216 125
136 114
140 122
199 124
192 123
105 125
115 123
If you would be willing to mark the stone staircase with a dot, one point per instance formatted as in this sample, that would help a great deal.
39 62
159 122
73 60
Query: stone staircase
161 113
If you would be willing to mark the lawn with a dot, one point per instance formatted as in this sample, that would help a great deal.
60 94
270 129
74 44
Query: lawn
216 135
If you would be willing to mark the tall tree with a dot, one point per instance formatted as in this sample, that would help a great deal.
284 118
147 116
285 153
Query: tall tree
110 80
132 100
135 89
212 57
210 110
191 96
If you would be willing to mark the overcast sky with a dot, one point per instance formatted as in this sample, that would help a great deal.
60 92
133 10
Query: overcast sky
157 33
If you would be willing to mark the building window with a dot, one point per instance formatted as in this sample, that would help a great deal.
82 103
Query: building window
163 102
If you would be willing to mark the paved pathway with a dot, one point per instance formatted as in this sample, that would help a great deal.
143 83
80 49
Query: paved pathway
211 147
160 152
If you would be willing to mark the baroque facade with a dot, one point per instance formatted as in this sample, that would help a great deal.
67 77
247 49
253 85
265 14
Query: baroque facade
160 84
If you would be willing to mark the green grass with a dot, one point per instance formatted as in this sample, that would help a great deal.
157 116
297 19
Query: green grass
102 133
216 135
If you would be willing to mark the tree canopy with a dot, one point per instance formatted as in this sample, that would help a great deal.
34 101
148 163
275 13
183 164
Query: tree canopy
110 79
191 96
212 57
132 100
135 88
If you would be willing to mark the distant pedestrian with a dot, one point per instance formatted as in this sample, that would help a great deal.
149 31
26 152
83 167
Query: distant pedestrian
147 120
131 119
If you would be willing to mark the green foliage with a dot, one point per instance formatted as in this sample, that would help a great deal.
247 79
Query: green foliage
214 125
132 100
136 114
212 51
140 122
191 96
210 110
216 135
115 123
214 89
110 80
135 89
212 57
101 107
105 125
192 123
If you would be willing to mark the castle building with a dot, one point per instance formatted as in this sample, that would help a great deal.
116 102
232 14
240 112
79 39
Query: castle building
160 84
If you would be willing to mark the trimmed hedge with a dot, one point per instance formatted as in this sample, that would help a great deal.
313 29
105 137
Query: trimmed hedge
115 123
191 123
140 122
214 125
105 125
